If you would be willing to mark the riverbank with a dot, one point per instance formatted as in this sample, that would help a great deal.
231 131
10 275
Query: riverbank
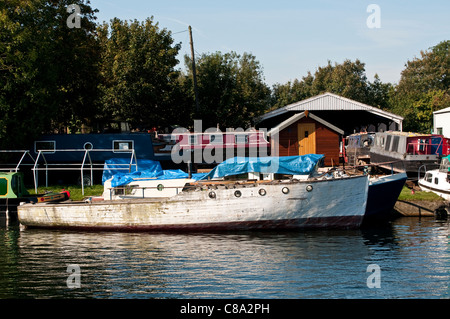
75 191
414 202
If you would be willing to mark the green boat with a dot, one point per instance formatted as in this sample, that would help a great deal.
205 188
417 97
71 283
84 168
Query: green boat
13 192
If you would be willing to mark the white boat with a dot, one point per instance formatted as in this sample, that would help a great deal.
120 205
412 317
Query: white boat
438 180
313 201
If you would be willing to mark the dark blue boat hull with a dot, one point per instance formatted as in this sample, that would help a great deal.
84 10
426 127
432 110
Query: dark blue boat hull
382 197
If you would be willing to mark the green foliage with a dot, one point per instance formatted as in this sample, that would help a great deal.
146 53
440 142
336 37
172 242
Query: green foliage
54 77
231 89
139 80
347 79
424 87
46 68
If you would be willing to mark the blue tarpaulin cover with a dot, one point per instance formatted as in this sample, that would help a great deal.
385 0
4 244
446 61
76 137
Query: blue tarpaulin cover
292 165
121 166
147 169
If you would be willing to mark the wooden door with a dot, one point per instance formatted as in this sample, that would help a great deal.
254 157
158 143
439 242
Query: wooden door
306 138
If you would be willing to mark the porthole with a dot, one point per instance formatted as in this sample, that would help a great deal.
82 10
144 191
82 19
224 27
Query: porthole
237 193
160 187
88 146
285 190
262 192
309 188
212 195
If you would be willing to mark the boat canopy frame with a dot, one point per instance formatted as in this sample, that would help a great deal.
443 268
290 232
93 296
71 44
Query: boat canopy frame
19 163
85 165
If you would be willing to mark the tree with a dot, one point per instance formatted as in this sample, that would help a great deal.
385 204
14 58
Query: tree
347 79
139 80
231 89
423 88
46 68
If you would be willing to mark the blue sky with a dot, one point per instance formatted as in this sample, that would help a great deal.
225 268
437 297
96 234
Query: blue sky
290 38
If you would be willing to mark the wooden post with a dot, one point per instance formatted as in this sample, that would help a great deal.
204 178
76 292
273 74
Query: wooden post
194 73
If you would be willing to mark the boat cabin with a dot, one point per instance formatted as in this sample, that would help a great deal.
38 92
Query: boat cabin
358 147
412 149
220 145
438 180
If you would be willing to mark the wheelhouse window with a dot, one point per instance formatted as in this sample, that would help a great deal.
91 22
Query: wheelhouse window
395 141
429 177
388 143
122 145
47 147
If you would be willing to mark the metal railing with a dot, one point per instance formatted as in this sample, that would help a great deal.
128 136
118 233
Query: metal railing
86 164
15 167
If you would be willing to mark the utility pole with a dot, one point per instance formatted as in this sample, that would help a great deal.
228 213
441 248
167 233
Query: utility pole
194 73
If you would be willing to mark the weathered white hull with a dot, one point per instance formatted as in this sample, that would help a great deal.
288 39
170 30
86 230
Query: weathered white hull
336 203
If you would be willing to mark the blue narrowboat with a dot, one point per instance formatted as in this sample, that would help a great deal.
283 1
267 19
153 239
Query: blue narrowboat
64 148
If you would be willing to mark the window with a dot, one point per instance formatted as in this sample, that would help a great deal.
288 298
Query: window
428 177
122 146
436 180
47 147
380 141
216 139
422 143
241 139
388 143
395 143
3 186
88 146
193 139
306 134
439 130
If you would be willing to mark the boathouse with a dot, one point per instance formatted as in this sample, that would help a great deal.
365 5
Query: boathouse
318 124
349 115
305 133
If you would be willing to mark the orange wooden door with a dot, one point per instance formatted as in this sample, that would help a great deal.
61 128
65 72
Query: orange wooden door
306 138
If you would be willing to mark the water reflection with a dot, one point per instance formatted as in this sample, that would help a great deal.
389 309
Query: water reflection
413 255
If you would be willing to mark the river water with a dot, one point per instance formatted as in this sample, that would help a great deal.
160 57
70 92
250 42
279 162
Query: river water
411 258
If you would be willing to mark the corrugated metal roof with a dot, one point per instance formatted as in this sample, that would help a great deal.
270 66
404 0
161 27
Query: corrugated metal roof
331 102
446 110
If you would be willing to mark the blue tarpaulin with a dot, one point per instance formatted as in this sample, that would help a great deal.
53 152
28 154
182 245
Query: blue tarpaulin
147 169
292 165
121 166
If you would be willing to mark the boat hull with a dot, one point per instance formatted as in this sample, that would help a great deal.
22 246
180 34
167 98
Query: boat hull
410 164
337 203
382 196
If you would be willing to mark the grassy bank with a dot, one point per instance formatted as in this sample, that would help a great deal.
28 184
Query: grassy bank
418 195
75 190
